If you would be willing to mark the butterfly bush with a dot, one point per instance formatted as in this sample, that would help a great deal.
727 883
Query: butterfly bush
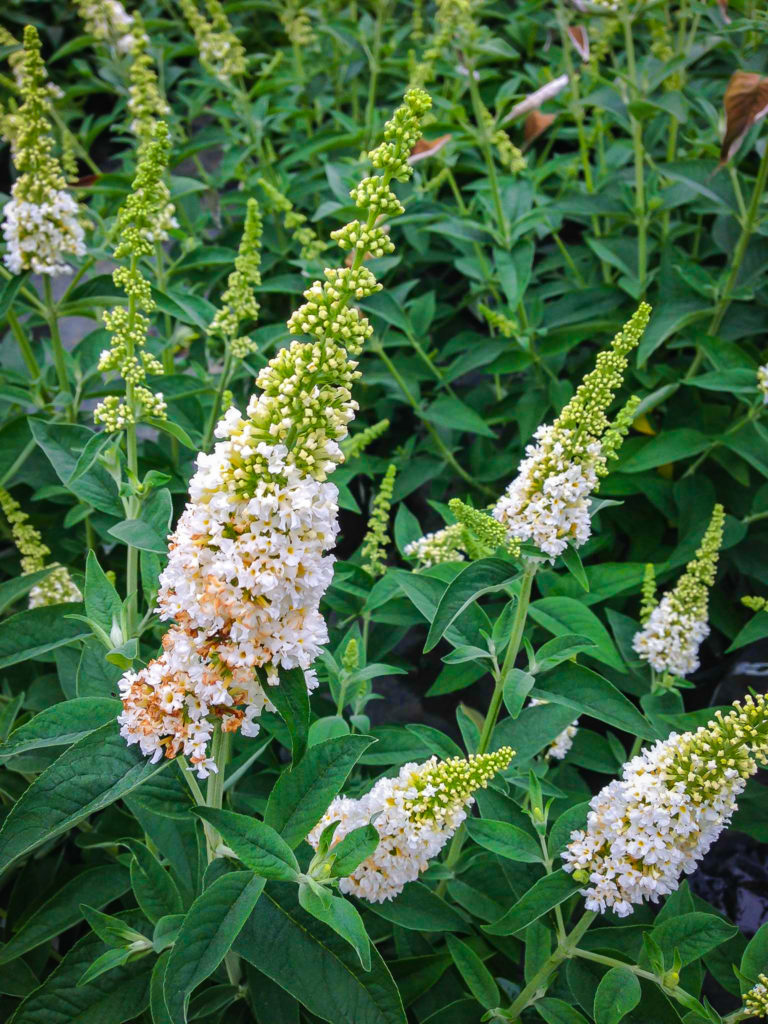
42 223
109 22
674 630
415 814
655 823
548 502
247 562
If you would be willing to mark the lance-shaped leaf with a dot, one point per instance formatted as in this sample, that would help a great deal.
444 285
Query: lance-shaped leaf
61 724
746 103
257 845
548 892
96 771
212 924
292 702
478 578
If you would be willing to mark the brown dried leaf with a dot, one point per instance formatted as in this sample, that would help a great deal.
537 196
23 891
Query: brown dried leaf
580 39
427 147
535 124
746 103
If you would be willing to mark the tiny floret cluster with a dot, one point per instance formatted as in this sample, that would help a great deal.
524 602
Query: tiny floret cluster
548 502
762 382
415 814
377 535
129 326
675 629
57 587
756 1000
109 22
41 224
444 545
221 52
248 560
655 823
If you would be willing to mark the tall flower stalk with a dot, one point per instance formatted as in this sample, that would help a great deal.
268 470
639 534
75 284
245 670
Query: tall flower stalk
247 565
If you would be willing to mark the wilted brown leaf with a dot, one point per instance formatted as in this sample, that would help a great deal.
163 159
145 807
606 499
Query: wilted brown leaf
427 147
535 124
745 102
580 39
535 100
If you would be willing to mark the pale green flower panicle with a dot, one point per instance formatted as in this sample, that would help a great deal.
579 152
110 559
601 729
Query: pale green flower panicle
377 535
57 587
136 228
146 104
221 52
674 629
238 303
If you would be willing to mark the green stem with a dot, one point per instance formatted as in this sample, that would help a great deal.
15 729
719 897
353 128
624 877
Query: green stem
132 504
540 980
637 145
24 346
518 626
57 349
224 379
374 66
485 147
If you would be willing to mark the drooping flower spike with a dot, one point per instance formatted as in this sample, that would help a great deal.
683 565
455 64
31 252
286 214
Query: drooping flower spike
647 829
247 562
376 538
137 220
238 303
146 104
57 587
42 223
415 814
674 630
548 502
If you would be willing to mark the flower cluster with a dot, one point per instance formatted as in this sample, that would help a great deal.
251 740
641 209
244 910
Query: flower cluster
221 52
41 220
354 446
146 104
137 220
57 587
377 535
563 742
415 814
548 501
658 820
298 27
294 222
756 1000
677 626
762 382
444 545
109 22
247 562
474 535
238 303
453 18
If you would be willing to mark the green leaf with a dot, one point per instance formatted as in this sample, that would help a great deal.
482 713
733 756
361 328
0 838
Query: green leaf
755 629
476 975
588 693
455 415
671 446
154 888
174 429
157 1005
533 731
35 631
11 590
62 443
692 935
212 924
555 1011
137 534
572 562
112 930
353 849
189 309
117 996
106 962
481 577
99 886
566 615
257 845
517 685
617 994
504 839
548 892
301 796
754 960
9 292
92 774
291 699
341 916
559 649
407 528
61 724
420 909
315 965
102 602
